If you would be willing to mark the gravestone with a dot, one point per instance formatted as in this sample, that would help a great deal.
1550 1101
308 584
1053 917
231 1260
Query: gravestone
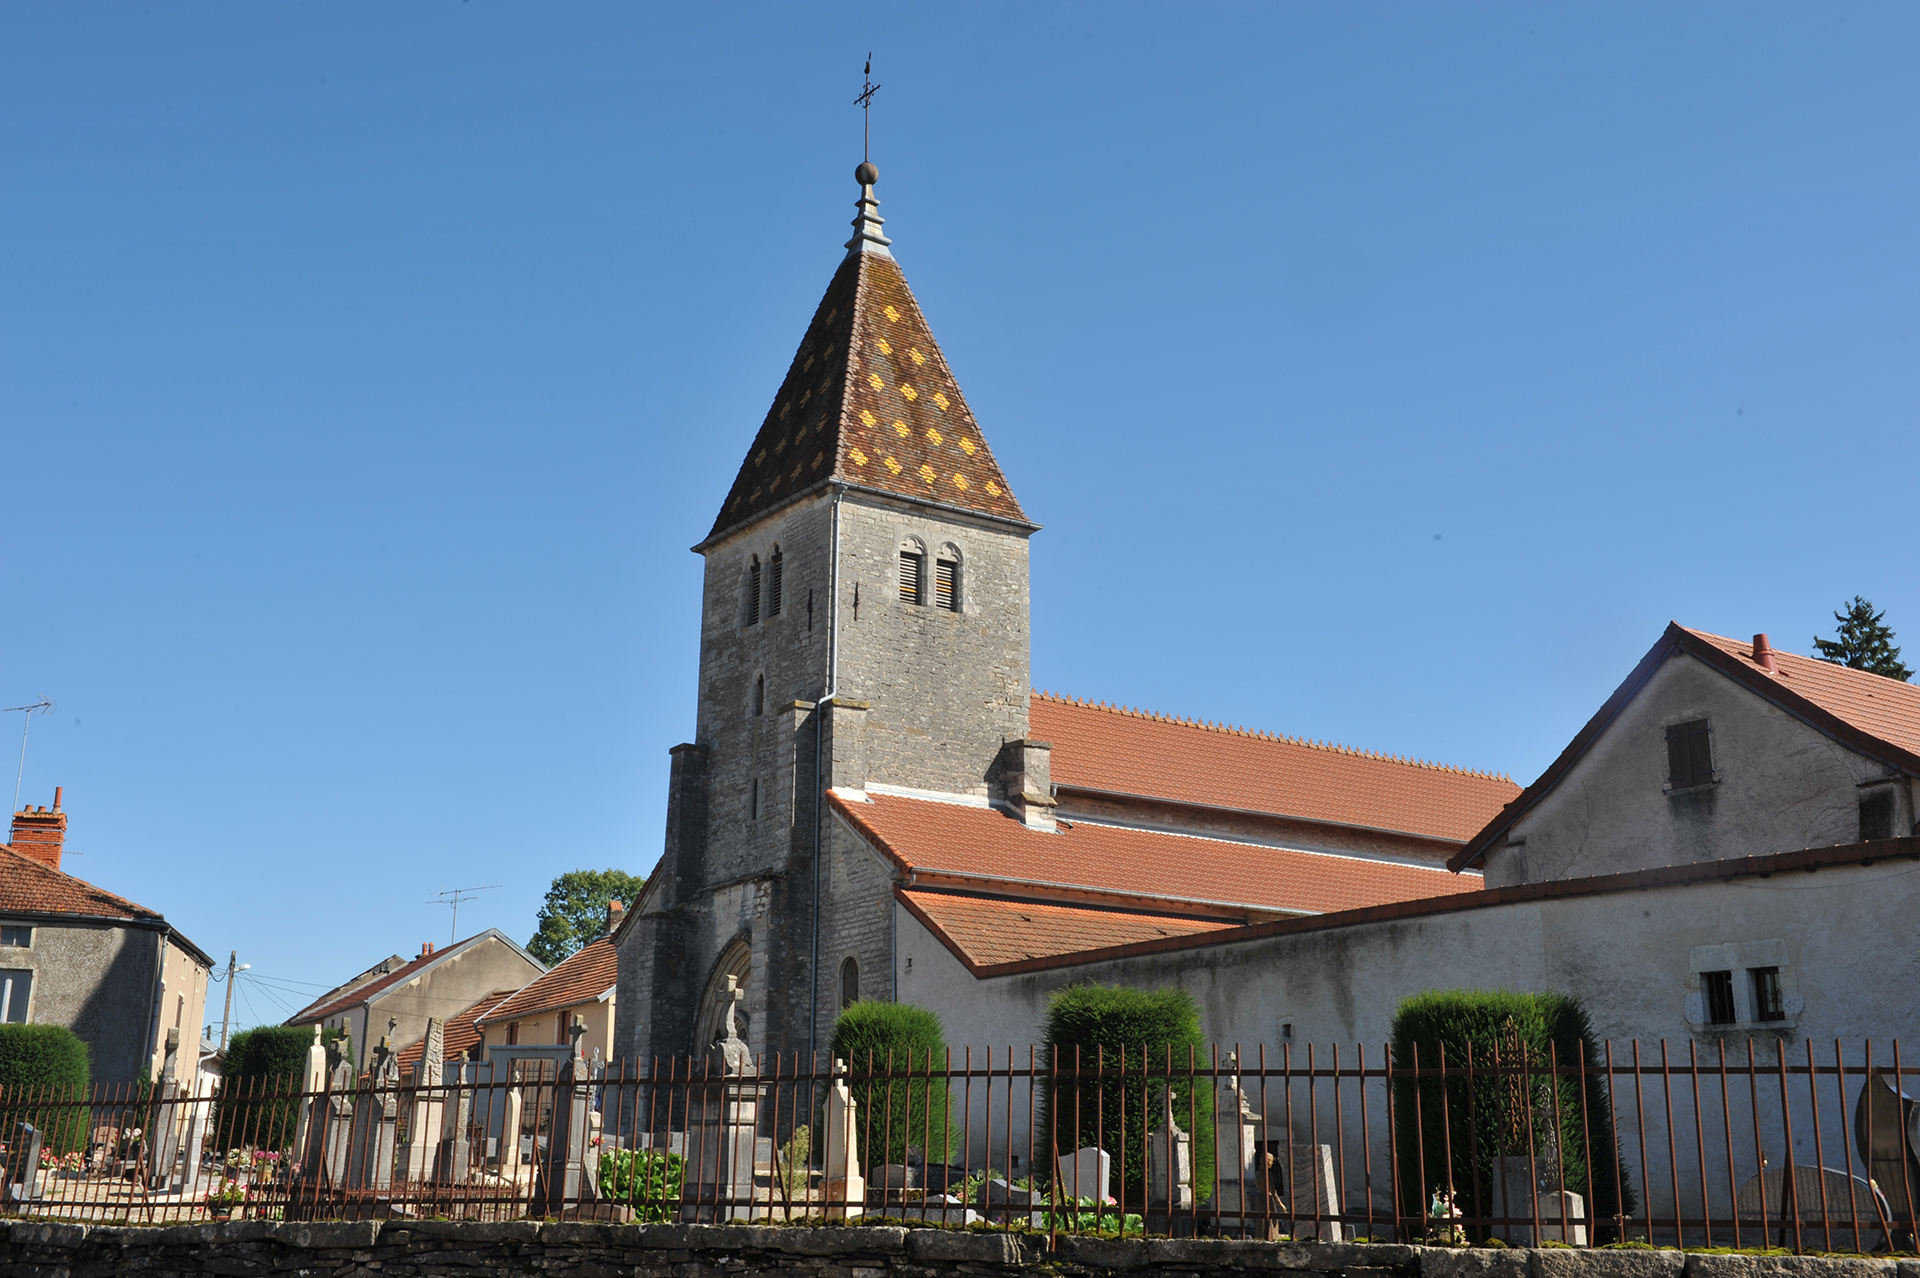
1315 1193
336 1126
515 1149
726 1124
1239 1189
1886 1131
376 1121
453 1161
1850 1200
1085 1173
562 1181
199 1119
846 1189
1169 1160
166 1119
427 1104
22 1175
313 1081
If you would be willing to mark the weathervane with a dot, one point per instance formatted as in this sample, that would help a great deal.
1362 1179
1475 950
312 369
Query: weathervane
865 102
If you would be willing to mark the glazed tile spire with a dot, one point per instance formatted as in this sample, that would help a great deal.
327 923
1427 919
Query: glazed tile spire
869 400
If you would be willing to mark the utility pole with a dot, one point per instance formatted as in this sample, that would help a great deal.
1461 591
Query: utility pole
234 968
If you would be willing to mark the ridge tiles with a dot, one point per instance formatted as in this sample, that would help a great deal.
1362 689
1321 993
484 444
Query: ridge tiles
869 400
1879 706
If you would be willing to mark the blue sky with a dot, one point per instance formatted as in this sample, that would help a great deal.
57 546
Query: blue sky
1385 374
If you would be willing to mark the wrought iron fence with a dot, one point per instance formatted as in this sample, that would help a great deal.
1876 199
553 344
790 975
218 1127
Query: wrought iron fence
1715 1143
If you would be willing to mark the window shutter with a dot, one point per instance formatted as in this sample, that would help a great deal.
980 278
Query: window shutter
773 587
943 592
910 576
1689 754
753 593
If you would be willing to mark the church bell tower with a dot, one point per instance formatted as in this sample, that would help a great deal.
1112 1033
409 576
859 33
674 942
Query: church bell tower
864 625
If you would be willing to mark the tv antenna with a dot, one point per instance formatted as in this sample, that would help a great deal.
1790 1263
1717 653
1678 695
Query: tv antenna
453 898
865 102
43 705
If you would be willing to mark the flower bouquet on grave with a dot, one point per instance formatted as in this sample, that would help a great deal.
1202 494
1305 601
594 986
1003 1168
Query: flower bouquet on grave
222 1199
1445 1231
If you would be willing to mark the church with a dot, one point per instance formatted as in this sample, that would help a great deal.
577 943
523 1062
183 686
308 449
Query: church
872 775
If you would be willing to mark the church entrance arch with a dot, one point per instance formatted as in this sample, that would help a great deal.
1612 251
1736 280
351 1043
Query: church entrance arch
735 961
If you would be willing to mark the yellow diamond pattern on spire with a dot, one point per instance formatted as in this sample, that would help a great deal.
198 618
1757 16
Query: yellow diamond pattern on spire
868 361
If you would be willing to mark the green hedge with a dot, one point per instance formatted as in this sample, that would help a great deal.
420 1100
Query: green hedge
264 1068
1500 1114
47 1062
1103 1023
898 1039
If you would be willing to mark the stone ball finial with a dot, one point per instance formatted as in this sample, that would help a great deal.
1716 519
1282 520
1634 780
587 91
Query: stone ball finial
866 174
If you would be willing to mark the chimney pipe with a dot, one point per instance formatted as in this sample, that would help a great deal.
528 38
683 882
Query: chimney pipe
1763 655
56 797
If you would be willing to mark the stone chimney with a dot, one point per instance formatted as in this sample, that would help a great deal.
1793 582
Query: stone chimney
1027 773
38 833
615 912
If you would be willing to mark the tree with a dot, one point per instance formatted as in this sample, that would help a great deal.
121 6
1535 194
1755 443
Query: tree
575 911
1865 643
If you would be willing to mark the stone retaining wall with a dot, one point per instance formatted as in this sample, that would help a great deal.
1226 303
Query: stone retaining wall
446 1249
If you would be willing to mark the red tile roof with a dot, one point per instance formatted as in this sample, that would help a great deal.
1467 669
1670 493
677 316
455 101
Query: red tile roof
1873 714
461 1033
1884 708
985 849
581 977
28 886
989 930
869 401
358 994
1134 752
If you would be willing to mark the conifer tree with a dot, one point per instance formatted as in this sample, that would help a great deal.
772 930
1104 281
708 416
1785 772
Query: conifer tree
1865 642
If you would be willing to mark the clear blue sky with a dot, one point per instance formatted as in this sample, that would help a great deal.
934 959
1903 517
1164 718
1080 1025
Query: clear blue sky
1382 373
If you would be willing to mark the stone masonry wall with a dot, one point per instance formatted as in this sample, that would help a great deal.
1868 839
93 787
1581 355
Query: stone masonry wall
242 1249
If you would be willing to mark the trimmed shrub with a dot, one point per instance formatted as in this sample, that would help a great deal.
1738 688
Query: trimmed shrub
1502 1114
263 1073
48 1062
1101 1024
897 1039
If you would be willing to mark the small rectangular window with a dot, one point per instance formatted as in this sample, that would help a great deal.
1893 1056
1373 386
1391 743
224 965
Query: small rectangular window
944 594
753 593
1719 987
776 573
1768 1005
753 800
11 934
1689 755
911 567
16 988
1876 815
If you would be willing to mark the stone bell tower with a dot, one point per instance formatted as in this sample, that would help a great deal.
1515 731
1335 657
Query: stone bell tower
864 622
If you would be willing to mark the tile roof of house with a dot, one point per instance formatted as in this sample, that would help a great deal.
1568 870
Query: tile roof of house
869 401
27 886
330 1005
989 930
461 1033
1135 752
581 977
981 848
1873 714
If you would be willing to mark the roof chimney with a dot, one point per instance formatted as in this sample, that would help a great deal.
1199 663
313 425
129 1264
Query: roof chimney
1763 654
615 912
426 948
38 833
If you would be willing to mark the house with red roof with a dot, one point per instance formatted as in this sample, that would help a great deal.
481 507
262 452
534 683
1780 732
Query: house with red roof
116 973
581 987
869 755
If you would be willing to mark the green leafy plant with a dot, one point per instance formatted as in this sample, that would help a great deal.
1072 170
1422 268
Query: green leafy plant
257 1105
52 1062
1864 641
1158 1034
649 1180
575 911
1524 1110
892 1042
794 1155
1085 1216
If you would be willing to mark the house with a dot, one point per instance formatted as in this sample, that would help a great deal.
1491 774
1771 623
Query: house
868 743
581 986
115 973
460 1037
1715 748
436 982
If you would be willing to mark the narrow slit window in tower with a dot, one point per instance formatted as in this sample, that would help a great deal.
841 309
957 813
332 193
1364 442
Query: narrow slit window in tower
849 983
759 693
753 591
774 575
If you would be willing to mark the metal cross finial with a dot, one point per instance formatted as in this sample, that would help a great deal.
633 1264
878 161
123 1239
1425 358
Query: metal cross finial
865 102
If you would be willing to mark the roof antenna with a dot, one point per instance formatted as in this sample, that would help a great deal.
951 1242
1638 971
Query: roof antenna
865 102
453 898
43 705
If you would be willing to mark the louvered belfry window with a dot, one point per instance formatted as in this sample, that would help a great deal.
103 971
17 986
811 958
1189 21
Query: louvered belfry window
912 567
946 585
774 574
753 592
1689 755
